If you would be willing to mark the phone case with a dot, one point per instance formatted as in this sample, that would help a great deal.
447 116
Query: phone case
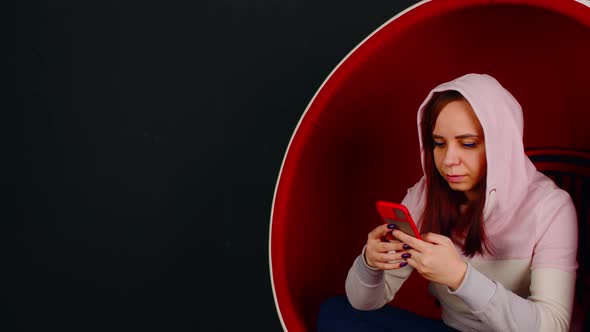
393 213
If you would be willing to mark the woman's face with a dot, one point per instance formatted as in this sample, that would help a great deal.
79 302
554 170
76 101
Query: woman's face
459 149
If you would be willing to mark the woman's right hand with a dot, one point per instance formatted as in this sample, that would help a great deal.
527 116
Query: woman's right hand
379 253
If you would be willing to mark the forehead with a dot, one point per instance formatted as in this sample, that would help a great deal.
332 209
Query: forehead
457 118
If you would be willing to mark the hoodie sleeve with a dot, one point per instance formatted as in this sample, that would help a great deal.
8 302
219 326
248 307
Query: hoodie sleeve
553 276
547 309
368 288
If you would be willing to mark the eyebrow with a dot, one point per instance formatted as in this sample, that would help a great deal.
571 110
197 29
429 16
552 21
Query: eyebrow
458 137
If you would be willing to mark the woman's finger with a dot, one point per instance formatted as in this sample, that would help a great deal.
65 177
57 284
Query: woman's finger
411 241
436 238
390 266
390 246
414 255
413 263
378 232
389 257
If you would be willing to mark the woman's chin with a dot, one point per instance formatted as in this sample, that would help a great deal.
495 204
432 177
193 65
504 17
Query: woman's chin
459 186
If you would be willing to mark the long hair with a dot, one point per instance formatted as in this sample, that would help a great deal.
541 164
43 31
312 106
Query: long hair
443 213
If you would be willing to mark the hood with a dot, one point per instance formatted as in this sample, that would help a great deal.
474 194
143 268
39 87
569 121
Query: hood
509 171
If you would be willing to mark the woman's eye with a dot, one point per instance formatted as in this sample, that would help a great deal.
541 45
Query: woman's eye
439 144
469 145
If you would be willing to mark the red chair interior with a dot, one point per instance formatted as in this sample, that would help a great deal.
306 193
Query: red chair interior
357 142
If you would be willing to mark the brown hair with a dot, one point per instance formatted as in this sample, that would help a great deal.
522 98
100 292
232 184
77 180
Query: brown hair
442 214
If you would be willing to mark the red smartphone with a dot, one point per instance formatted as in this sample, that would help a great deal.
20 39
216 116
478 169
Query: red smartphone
397 214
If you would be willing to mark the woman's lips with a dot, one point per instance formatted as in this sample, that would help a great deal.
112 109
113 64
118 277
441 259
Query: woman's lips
455 178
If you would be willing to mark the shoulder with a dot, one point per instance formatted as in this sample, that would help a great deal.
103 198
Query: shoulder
556 227
547 198
546 212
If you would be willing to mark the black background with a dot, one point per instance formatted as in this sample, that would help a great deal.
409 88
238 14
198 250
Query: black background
148 145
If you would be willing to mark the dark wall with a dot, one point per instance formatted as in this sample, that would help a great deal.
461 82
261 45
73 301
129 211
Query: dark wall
148 145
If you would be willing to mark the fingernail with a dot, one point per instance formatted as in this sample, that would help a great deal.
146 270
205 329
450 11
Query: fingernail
402 264
406 247
391 226
406 255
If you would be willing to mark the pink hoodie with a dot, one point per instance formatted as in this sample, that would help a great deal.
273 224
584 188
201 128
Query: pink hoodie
528 284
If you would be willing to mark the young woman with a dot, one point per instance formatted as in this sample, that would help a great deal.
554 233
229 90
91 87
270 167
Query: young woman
499 238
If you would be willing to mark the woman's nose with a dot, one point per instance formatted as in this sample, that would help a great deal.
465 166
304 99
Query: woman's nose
451 156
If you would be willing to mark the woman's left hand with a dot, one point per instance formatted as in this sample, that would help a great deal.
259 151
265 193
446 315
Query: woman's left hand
435 258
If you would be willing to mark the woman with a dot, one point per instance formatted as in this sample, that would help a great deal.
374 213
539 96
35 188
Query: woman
500 238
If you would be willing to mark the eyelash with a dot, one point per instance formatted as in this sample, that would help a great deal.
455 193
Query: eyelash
465 145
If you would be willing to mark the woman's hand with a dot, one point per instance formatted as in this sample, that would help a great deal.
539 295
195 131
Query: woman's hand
435 258
379 253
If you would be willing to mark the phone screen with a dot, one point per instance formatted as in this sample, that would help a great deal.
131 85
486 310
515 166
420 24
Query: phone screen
403 226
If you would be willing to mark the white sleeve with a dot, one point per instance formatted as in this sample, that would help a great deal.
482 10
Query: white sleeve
547 309
553 293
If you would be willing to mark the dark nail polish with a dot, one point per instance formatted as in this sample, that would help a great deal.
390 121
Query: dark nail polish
402 264
406 247
406 255
391 226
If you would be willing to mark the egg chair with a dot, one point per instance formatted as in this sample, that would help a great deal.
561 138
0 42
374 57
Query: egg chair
357 141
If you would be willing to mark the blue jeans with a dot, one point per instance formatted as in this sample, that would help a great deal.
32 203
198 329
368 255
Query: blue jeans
336 314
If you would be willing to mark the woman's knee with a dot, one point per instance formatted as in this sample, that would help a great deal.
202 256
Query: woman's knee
332 310
334 304
338 301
